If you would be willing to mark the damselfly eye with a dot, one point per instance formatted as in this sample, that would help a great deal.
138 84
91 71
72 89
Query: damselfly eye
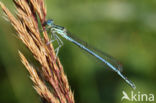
49 22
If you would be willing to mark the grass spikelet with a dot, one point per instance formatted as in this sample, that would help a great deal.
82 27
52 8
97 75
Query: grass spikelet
26 26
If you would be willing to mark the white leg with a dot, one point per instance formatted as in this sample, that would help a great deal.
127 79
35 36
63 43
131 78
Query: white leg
53 37
51 41
60 43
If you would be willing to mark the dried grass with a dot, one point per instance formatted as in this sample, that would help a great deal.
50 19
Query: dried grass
26 25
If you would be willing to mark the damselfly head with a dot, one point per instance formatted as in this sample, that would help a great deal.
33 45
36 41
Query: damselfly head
49 23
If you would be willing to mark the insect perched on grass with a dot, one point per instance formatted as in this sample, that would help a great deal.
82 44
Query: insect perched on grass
59 30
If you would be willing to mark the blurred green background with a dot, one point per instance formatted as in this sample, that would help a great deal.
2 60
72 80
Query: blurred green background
126 29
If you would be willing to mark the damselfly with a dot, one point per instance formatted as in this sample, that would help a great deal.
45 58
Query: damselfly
59 30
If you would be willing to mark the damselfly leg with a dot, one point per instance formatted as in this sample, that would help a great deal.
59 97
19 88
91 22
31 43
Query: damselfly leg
54 38
60 44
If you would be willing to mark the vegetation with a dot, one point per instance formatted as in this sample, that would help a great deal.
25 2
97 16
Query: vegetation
123 29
